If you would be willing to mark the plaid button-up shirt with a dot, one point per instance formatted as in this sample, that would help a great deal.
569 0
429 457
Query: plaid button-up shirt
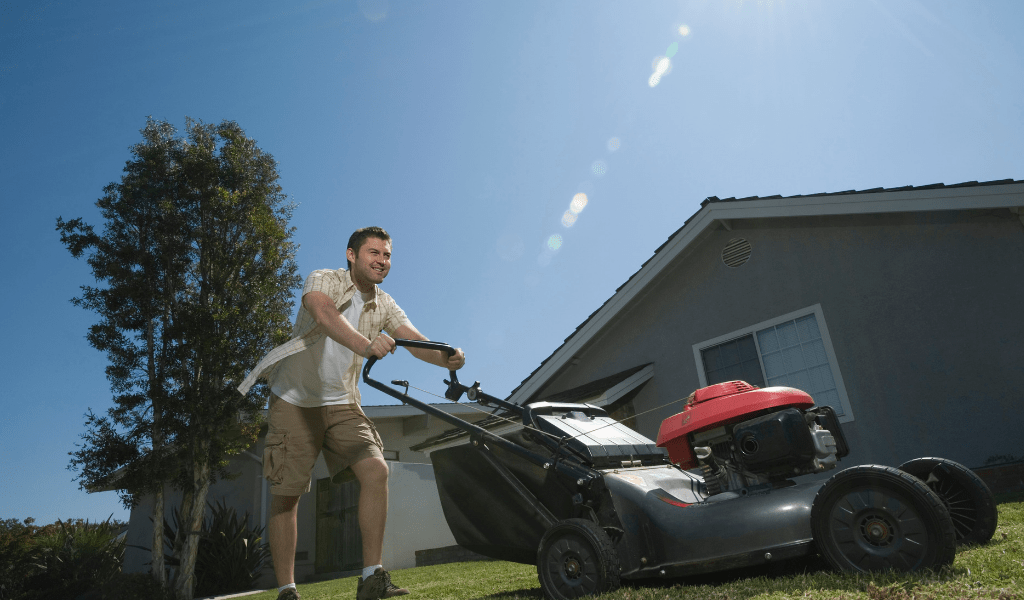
381 312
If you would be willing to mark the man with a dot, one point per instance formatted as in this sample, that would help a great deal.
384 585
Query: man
314 403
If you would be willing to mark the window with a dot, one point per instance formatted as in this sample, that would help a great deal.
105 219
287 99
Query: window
793 350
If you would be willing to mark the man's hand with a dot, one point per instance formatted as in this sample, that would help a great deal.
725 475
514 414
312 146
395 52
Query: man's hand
456 361
381 346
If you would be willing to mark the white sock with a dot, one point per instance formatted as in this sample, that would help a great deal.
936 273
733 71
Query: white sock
371 570
284 587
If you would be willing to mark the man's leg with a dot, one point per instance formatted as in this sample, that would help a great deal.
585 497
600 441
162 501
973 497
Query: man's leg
372 474
282 528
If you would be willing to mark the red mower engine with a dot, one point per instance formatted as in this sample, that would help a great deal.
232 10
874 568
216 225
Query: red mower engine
743 436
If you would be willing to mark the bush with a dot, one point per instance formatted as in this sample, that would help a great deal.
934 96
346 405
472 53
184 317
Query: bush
135 586
73 558
231 553
16 561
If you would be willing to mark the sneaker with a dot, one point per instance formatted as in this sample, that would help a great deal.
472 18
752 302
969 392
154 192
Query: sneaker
378 586
288 594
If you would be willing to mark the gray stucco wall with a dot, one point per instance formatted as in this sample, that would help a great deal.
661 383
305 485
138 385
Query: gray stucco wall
925 312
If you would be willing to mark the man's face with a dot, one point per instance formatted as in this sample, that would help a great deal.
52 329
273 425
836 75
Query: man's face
371 264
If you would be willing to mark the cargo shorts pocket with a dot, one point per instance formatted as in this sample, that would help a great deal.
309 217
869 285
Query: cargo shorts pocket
274 455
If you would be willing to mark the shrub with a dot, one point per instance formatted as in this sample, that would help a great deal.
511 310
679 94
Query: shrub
16 561
231 553
135 586
74 558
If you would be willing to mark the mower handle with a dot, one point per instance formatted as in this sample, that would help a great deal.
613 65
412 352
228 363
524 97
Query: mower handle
572 469
453 392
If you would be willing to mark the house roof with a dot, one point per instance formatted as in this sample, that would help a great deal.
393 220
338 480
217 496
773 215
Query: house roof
1005 193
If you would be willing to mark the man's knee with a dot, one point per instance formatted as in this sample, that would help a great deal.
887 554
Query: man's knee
371 471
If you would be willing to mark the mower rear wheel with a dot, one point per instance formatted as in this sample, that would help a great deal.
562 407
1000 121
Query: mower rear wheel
967 498
577 558
875 518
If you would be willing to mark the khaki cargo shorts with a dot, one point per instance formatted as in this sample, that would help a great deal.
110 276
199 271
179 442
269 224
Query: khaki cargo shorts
297 435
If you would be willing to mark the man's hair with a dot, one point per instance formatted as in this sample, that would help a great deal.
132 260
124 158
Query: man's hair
356 241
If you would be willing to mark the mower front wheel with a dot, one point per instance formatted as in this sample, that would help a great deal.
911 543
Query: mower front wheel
577 558
967 498
875 518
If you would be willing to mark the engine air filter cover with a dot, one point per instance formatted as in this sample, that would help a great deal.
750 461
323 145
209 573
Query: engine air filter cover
775 440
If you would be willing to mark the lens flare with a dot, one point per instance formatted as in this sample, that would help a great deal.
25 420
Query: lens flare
569 219
672 49
613 144
555 241
684 30
579 202
599 168
662 66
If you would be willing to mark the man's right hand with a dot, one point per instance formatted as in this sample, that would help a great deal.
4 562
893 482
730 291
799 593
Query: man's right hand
381 346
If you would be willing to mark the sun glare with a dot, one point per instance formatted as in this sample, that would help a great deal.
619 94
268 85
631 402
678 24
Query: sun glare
662 66
579 202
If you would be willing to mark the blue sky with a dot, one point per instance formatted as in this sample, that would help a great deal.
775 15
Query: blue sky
466 129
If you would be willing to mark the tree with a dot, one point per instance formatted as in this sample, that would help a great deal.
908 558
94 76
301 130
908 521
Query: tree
197 264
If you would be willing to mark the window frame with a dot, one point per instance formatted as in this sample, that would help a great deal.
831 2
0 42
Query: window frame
826 340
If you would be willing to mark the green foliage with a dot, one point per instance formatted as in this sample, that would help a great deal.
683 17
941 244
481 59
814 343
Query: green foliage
231 553
134 586
196 271
16 559
195 275
72 558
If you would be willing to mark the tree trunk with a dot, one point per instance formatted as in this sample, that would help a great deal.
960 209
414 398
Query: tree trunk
158 570
193 511
156 436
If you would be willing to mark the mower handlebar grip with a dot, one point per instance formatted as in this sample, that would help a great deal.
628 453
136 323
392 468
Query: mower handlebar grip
426 345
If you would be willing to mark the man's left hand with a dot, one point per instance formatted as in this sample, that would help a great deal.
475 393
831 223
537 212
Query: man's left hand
456 361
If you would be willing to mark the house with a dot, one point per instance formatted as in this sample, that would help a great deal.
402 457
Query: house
903 309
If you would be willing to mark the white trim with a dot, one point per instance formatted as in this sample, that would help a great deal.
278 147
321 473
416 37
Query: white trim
609 396
950 198
826 340
612 394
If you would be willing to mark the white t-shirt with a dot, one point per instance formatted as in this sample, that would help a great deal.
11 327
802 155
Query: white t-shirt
314 377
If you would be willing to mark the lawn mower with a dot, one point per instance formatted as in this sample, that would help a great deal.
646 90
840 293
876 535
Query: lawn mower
592 502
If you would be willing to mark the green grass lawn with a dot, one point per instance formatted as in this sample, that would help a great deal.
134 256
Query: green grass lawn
995 570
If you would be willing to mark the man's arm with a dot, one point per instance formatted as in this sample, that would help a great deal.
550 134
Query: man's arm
326 315
434 357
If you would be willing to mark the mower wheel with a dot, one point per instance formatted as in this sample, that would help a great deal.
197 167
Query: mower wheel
577 558
967 498
875 518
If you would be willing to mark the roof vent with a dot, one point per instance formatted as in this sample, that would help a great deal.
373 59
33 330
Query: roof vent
736 252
